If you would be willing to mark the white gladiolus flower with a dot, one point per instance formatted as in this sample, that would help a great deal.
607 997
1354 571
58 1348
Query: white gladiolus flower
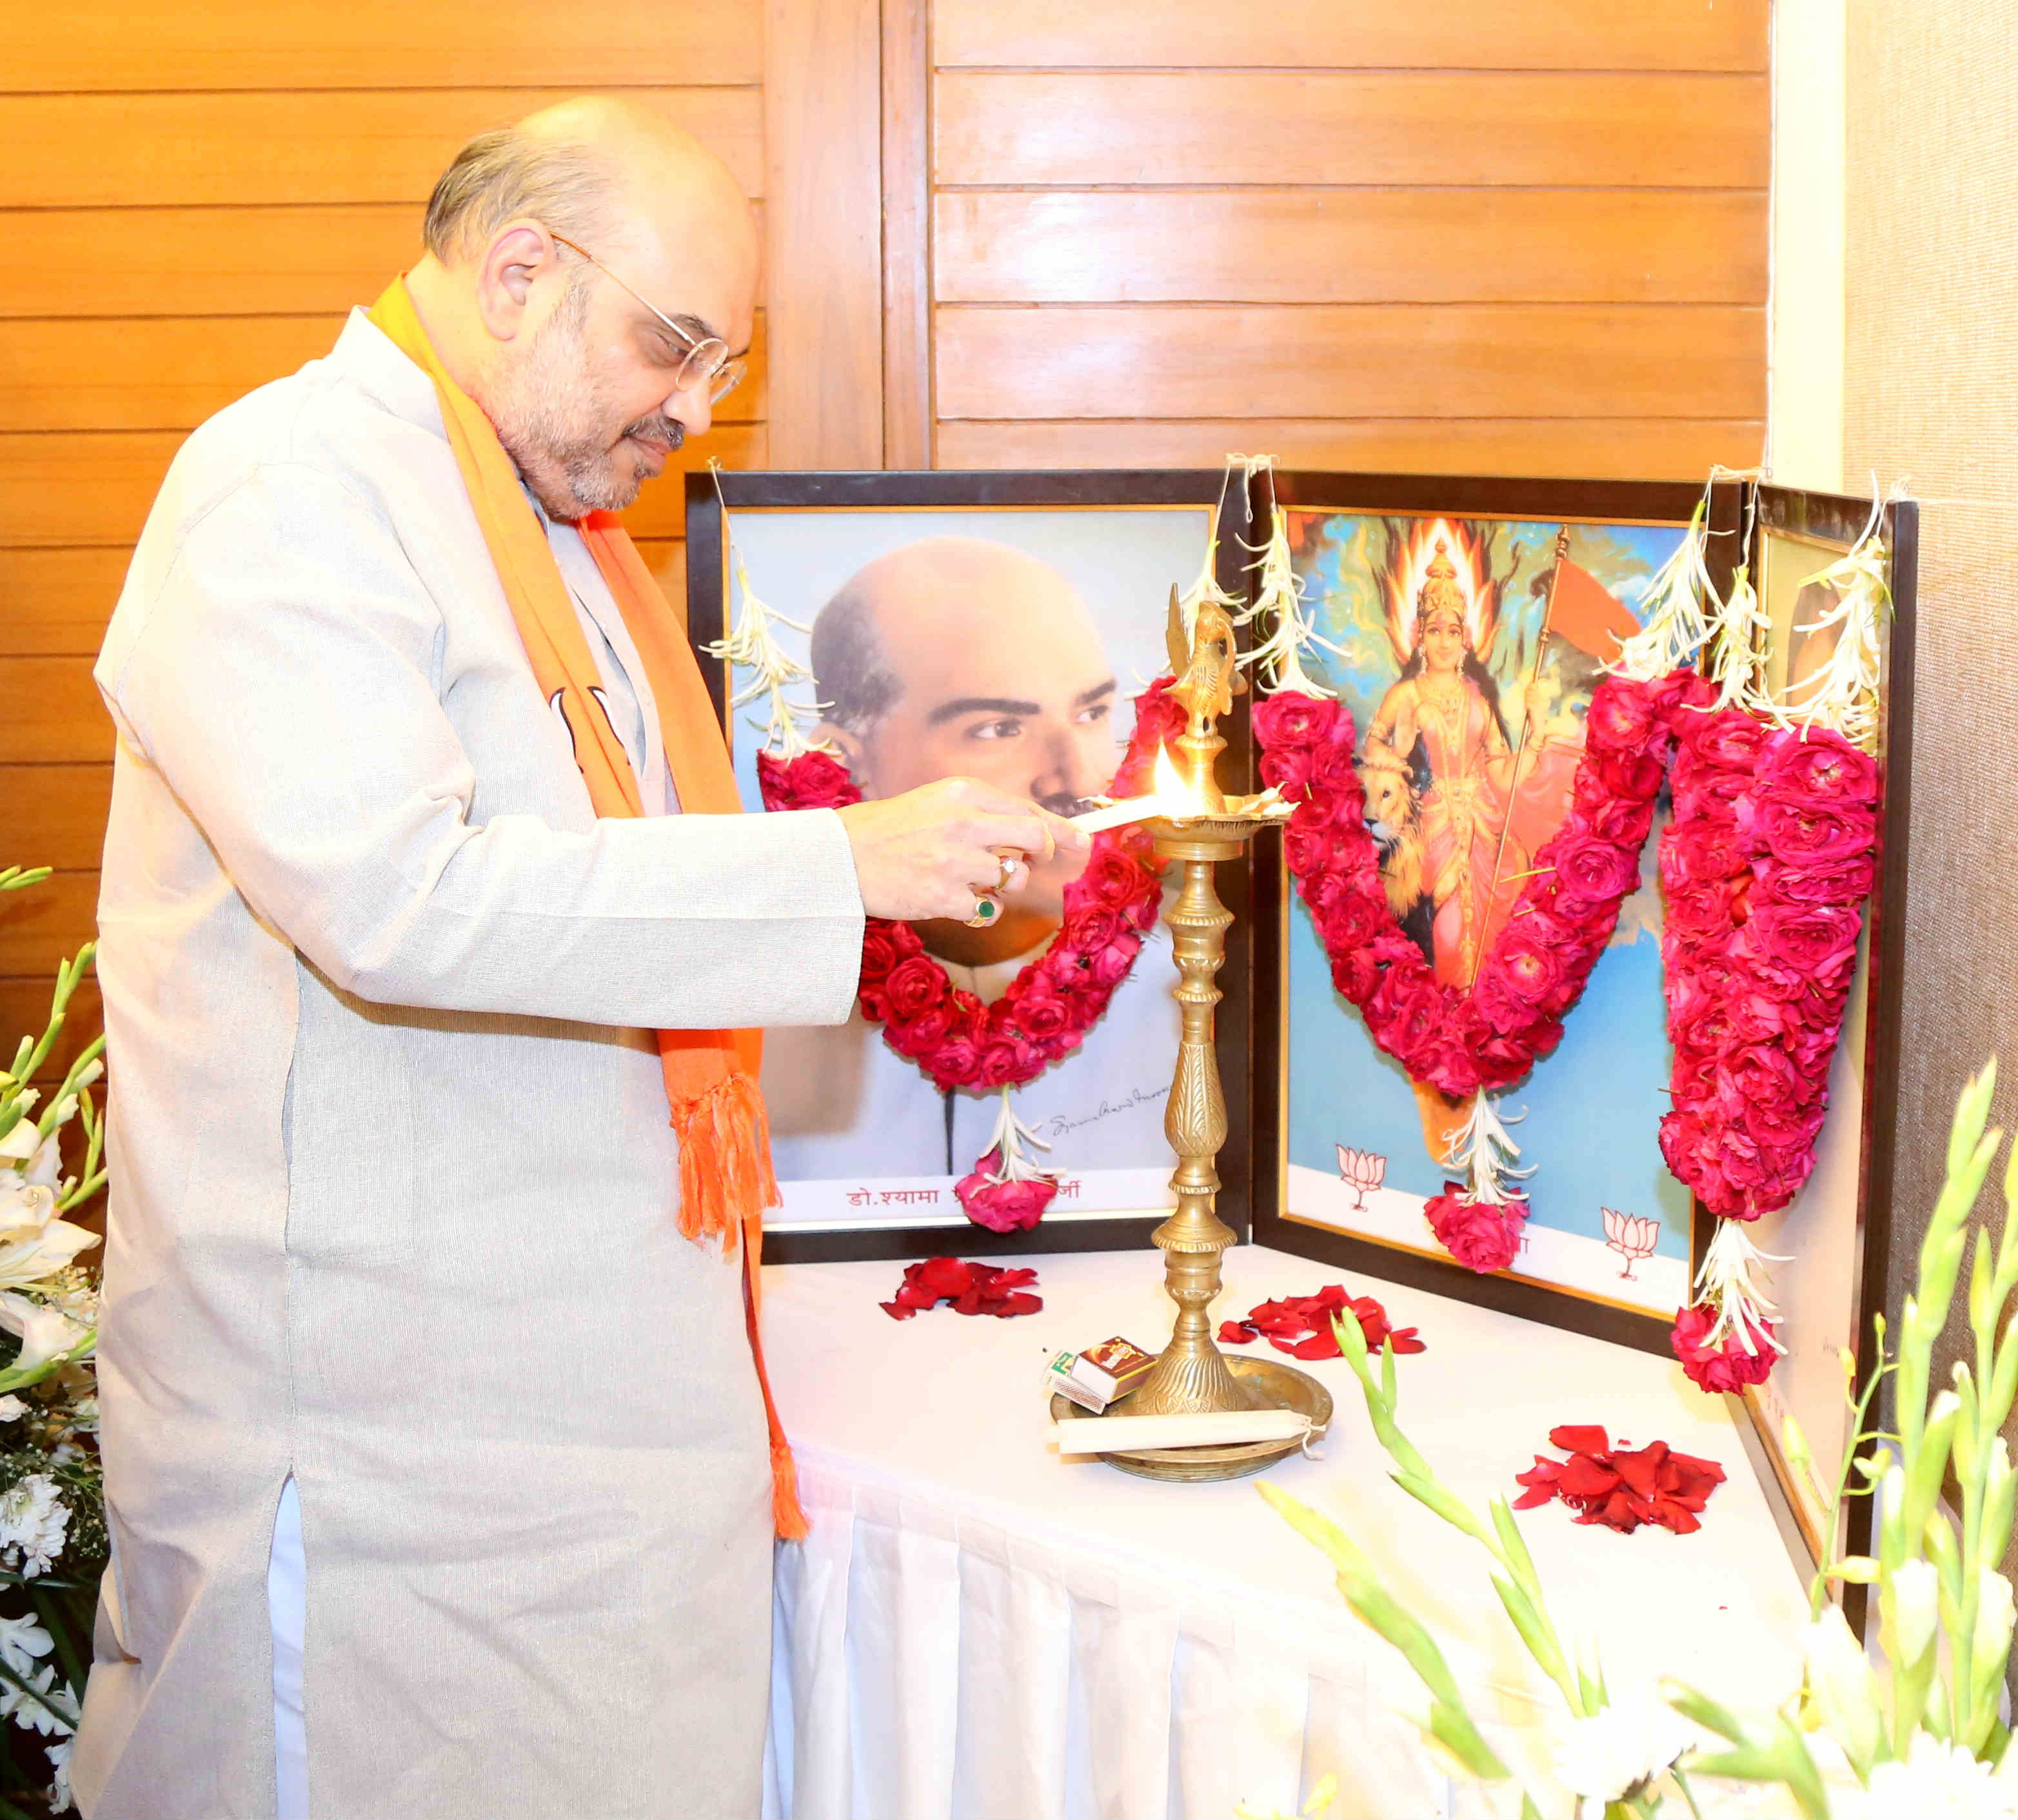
1937 1782
34 1522
33 1715
23 1642
1916 1600
61 1800
12 1409
1840 1677
46 1333
1995 1614
33 1242
1606 1757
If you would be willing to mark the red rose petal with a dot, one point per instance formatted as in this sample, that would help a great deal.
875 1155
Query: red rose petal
1583 1477
1641 1470
1540 1495
943 1276
897 1311
1237 1334
1574 1437
1317 1346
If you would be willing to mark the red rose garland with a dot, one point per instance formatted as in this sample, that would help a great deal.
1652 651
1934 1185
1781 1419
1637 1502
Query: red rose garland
957 1040
1487 1039
1771 853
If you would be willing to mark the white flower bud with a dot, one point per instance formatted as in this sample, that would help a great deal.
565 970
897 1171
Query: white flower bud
1840 1677
1915 1608
1996 1612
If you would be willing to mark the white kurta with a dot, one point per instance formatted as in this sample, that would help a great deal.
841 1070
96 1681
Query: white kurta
393 1194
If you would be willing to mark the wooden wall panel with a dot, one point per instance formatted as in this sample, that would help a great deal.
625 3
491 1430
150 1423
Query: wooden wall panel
1566 448
1497 236
823 115
1326 246
1465 35
67 805
54 717
1373 360
301 259
1333 127
309 147
374 44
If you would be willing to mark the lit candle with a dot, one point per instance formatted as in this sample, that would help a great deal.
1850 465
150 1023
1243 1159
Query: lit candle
1120 815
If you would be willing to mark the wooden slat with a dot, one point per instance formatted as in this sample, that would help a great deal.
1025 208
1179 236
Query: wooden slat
822 120
172 372
1322 246
666 559
54 715
24 1012
80 151
54 603
1487 34
1285 126
1365 360
907 234
62 488
58 814
43 925
1576 448
290 261
377 43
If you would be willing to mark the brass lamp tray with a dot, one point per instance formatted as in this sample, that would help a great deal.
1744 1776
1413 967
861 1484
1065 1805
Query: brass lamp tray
1281 1386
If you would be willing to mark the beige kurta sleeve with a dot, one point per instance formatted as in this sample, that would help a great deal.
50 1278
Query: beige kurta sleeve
287 681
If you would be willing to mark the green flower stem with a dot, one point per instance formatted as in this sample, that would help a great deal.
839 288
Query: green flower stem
15 877
1818 1587
1520 1592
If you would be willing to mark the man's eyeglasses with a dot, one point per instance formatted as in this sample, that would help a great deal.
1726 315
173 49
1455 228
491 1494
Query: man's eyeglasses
708 361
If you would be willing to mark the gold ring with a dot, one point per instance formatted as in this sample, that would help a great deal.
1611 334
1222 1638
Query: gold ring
987 907
1009 862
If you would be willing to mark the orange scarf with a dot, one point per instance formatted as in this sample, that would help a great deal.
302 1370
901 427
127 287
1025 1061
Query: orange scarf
717 1109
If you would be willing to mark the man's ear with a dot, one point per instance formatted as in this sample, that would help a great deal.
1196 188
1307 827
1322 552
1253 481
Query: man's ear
853 751
520 253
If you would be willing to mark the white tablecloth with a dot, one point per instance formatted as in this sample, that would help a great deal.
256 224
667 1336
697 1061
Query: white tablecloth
976 1629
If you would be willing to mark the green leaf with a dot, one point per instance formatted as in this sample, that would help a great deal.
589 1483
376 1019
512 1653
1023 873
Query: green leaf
1514 1545
1453 1729
1704 1711
1388 1393
1445 1502
1541 1642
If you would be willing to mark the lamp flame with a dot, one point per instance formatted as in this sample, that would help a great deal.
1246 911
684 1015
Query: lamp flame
1180 798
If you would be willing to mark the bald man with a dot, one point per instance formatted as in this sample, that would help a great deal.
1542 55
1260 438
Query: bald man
436 1459
960 656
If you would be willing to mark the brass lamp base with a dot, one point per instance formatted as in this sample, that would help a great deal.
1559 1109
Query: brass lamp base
1266 1384
1192 1376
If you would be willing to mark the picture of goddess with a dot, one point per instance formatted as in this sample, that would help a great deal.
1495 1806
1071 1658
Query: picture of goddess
1439 770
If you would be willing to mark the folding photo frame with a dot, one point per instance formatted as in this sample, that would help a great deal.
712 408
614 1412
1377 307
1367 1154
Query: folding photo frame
1526 539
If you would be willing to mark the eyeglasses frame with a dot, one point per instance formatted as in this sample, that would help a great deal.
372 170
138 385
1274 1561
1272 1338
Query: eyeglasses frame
722 371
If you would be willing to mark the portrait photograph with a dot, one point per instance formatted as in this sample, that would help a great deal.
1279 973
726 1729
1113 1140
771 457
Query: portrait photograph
1005 644
1466 649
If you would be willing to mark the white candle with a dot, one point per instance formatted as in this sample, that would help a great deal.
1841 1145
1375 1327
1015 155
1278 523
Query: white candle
1112 1434
1136 808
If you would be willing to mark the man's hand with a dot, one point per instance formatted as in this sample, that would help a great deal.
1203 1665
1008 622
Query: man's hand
930 852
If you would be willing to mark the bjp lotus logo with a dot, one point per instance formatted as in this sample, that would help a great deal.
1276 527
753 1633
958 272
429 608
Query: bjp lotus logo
1361 1171
1630 1237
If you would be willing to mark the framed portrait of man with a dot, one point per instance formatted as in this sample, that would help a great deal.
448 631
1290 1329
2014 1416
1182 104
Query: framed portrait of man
990 626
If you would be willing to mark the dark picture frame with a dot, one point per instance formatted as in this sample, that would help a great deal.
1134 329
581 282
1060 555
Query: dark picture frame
1832 522
1467 497
711 498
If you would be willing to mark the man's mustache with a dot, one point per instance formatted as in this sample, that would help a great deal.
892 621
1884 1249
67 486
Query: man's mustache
654 429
